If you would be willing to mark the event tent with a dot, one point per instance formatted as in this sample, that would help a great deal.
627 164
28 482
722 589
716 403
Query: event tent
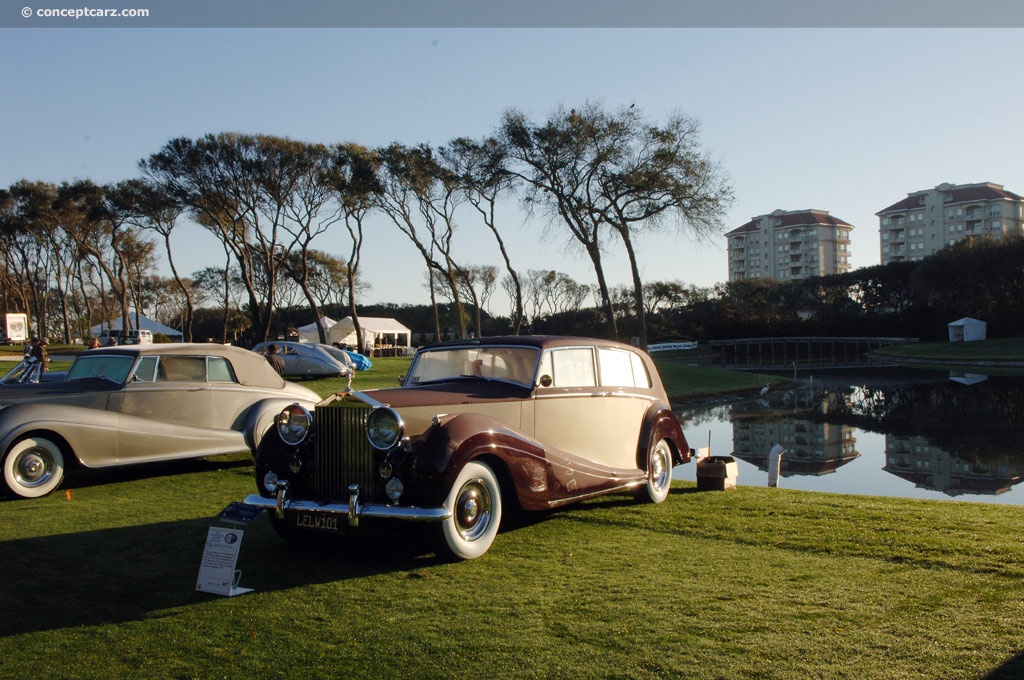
141 322
308 333
967 330
378 332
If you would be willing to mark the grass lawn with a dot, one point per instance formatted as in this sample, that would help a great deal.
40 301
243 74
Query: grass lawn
996 350
99 581
753 582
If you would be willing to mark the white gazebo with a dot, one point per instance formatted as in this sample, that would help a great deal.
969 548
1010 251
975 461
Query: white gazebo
308 333
385 336
144 323
967 330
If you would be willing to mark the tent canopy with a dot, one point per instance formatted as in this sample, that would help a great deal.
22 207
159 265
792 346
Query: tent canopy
377 331
308 333
967 330
144 323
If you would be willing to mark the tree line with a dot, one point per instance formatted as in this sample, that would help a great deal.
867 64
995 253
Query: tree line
77 252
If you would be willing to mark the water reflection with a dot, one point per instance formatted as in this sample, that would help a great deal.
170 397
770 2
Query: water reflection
896 432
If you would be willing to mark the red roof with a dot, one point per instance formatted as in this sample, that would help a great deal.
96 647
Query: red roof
798 218
964 193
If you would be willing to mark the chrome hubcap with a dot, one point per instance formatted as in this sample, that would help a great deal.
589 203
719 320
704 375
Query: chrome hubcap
473 510
33 469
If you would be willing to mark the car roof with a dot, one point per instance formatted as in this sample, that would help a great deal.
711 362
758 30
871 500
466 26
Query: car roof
250 368
538 341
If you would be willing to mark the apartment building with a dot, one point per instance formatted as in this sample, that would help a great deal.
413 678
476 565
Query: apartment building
789 245
929 220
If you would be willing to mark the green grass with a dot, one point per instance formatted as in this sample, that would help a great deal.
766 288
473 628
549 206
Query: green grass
1000 349
752 582
99 581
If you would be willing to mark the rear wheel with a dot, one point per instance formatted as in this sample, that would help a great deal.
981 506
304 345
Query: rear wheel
33 467
659 473
475 503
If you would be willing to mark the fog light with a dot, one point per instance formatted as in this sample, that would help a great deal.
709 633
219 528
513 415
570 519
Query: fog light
394 488
270 481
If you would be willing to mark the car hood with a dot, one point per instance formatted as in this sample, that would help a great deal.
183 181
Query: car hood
452 392
13 394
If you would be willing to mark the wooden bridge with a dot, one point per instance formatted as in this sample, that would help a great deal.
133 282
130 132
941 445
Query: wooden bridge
799 352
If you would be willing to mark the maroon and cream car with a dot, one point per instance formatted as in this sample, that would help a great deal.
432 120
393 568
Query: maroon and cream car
477 427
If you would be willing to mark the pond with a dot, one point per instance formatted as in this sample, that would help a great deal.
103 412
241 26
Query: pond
899 432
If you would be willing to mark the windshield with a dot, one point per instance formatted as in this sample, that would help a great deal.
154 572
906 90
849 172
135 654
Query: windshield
114 368
509 364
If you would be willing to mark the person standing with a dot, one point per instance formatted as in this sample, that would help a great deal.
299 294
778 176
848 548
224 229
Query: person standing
274 359
39 352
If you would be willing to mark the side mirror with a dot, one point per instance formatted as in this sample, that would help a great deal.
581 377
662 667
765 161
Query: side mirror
545 381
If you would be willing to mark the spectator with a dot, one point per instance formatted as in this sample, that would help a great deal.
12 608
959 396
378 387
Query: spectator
274 359
39 352
94 343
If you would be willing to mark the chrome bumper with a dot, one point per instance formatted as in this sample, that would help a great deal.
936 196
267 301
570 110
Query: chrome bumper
354 510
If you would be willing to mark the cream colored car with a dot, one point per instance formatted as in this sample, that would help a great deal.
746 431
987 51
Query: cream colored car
137 404
532 422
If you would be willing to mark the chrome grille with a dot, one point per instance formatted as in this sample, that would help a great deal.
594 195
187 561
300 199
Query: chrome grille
343 454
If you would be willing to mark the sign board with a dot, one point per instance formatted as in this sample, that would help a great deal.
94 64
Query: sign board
15 328
217 572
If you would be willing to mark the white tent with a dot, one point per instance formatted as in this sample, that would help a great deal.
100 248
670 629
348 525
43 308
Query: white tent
309 333
386 336
141 322
967 330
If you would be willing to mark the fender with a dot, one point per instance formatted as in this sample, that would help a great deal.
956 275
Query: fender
660 423
259 419
96 427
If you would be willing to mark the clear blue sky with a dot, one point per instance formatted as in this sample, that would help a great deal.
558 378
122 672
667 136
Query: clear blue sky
844 120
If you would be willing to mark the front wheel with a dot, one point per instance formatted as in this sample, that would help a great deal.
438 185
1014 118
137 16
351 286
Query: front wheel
33 467
475 503
659 473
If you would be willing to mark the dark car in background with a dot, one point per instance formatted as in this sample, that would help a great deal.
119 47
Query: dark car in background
477 427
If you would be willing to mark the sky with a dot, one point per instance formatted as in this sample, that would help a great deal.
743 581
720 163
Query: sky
847 120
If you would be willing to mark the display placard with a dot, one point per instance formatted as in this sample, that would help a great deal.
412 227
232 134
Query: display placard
217 573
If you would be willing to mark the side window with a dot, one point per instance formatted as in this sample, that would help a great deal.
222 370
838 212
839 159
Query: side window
146 370
620 368
573 367
616 369
219 370
182 369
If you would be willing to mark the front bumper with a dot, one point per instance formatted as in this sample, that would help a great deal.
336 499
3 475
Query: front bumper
354 510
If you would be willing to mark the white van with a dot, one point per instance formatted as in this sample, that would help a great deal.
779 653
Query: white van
134 336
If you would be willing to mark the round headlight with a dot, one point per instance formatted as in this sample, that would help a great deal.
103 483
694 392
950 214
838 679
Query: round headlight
293 424
394 489
384 428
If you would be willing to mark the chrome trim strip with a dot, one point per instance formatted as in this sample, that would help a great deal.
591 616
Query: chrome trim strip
374 510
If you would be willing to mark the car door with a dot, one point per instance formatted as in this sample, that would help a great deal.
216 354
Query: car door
625 389
166 410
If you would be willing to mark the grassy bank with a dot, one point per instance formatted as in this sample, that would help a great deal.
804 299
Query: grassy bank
996 350
753 582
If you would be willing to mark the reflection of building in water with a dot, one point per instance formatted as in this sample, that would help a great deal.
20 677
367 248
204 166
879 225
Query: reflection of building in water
811 448
929 467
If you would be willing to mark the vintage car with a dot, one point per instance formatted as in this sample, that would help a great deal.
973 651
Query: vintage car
477 427
139 403
310 359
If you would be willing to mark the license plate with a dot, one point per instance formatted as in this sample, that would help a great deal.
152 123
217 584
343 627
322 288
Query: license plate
316 521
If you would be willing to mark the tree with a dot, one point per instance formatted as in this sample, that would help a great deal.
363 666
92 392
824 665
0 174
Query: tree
148 207
356 180
595 169
420 197
481 169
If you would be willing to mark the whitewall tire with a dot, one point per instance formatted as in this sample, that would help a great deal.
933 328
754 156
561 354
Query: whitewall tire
33 467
